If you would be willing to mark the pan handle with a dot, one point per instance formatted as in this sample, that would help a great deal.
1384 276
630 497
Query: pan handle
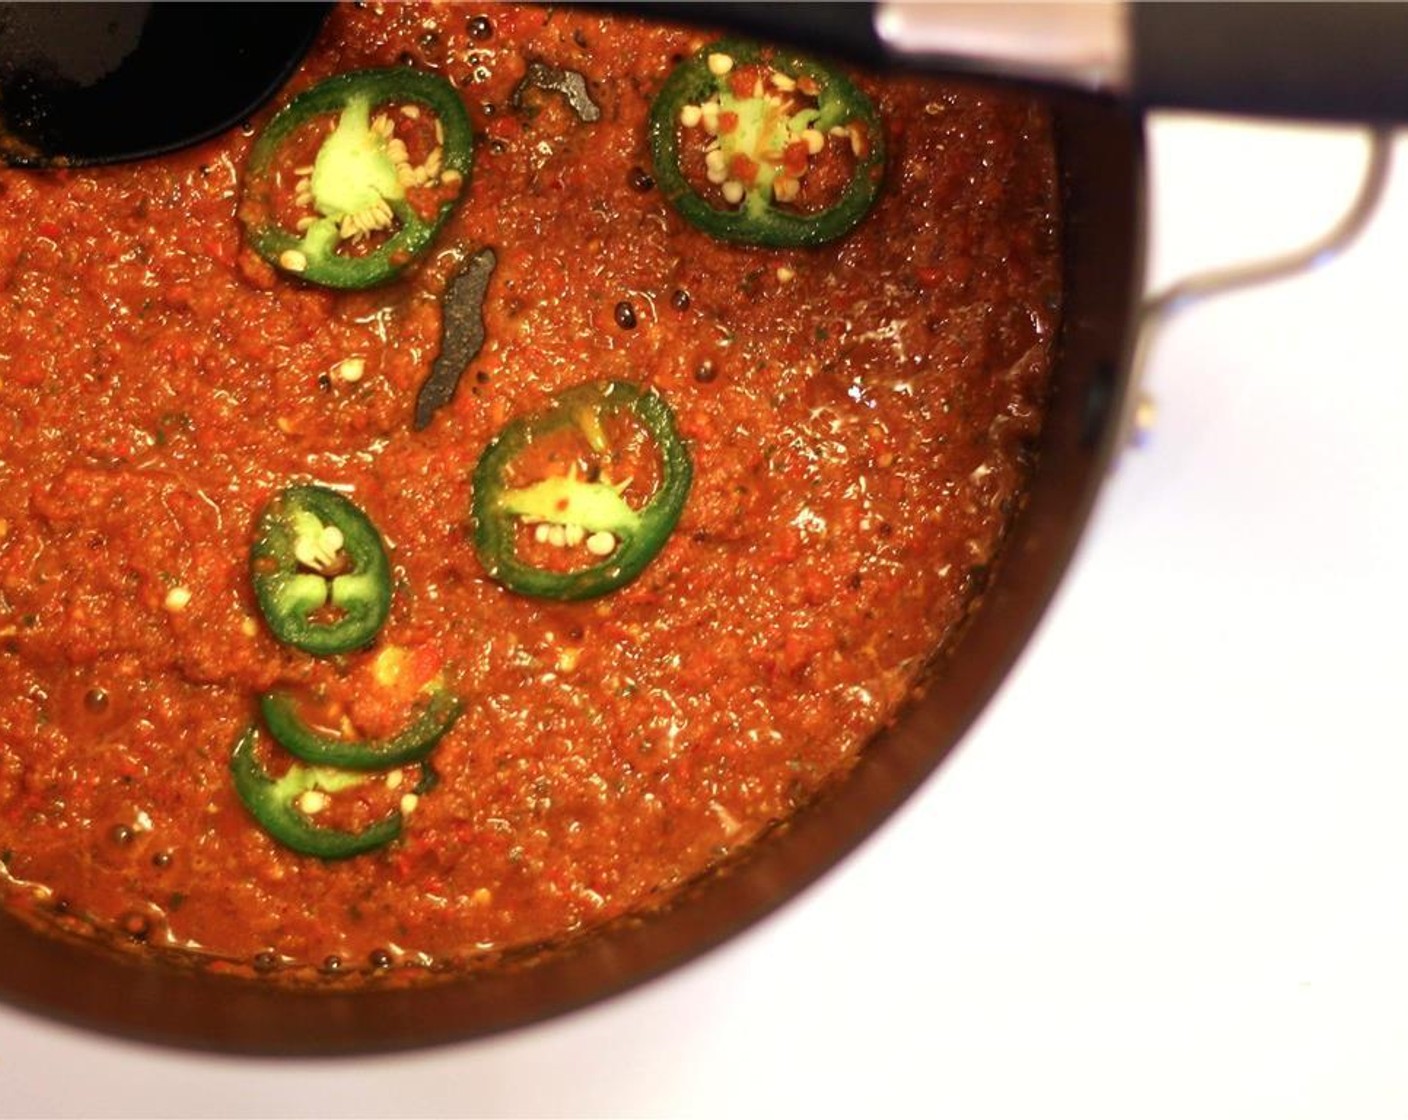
1308 60
1157 309
1337 61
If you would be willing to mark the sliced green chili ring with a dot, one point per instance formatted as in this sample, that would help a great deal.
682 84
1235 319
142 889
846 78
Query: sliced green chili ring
315 552
597 507
759 220
355 173
435 714
273 803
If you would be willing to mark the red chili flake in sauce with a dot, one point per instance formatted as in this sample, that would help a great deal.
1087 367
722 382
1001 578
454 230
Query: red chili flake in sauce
743 80
744 169
795 158
855 432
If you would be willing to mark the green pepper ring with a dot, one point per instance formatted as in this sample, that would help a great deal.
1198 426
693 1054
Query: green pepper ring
691 82
266 800
436 716
331 96
495 529
274 573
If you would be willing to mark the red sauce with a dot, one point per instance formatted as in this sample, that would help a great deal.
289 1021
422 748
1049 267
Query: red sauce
857 417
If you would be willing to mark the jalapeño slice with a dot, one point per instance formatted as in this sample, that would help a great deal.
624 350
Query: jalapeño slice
550 521
320 571
278 804
372 162
434 714
766 146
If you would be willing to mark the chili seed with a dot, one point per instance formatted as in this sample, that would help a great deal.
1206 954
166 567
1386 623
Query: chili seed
481 28
96 701
121 834
324 382
351 369
705 373
332 963
639 180
380 958
161 859
601 544
178 599
62 905
266 961
680 300
625 315
720 64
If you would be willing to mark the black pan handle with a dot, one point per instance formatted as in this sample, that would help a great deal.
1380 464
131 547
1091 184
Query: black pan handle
1335 61
1317 60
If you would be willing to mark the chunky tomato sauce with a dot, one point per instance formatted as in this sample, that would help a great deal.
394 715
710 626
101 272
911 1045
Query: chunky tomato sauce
857 415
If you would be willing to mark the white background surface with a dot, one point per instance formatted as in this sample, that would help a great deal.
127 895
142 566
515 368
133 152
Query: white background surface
1167 874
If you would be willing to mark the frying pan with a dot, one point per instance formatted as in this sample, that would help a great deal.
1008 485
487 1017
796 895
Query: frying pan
1100 152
